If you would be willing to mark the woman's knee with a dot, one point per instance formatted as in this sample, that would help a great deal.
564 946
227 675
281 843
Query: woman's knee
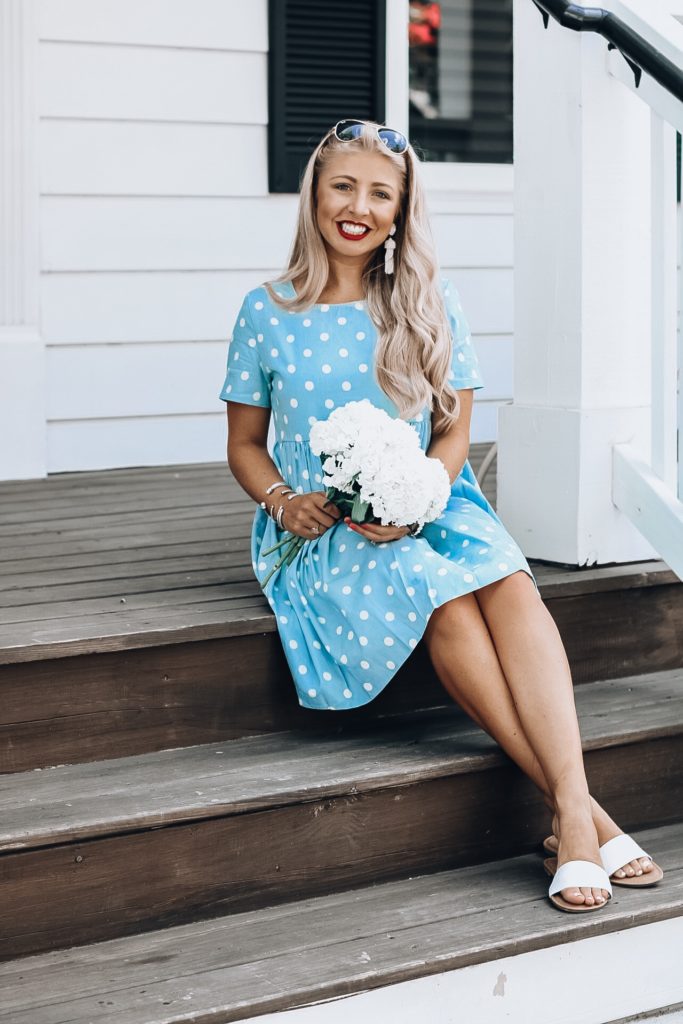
454 615
517 585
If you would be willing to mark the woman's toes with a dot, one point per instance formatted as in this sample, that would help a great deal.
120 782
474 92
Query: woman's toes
620 873
646 864
588 894
573 895
598 895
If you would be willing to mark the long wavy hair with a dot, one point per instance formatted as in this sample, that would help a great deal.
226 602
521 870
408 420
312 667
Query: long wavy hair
414 339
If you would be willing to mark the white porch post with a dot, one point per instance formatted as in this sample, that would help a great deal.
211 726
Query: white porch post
22 353
582 298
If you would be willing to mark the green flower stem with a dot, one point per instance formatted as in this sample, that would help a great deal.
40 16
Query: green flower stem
285 540
295 542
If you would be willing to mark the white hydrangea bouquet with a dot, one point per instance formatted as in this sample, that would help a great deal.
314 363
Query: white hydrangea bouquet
374 468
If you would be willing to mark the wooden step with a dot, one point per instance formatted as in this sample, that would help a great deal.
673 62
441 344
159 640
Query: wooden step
367 942
97 850
132 621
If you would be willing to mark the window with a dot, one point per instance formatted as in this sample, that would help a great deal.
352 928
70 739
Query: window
460 80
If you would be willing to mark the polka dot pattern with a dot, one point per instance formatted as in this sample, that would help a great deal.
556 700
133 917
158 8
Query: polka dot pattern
350 611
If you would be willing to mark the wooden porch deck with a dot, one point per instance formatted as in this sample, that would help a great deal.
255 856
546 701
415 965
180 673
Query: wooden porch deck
104 561
163 794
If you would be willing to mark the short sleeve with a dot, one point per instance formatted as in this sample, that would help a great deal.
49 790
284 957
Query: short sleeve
465 369
245 380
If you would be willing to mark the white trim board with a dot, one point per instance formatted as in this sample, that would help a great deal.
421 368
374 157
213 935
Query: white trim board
591 981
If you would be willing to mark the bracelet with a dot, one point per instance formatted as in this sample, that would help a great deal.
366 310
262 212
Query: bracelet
278 483
288 491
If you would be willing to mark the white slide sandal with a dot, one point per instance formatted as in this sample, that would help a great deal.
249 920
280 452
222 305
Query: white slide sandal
576 873
614 854
619 851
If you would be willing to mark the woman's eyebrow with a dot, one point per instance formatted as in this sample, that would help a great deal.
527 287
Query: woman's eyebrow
351 178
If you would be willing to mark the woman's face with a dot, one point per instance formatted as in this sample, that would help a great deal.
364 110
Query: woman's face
357 189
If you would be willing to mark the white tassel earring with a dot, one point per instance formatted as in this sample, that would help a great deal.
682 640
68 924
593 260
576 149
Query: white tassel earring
389 246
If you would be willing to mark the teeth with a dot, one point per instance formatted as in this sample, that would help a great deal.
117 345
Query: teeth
353 229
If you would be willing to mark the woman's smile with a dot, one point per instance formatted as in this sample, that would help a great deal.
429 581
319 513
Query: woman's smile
352 231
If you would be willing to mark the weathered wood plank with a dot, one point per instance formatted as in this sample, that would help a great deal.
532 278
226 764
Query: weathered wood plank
257 962
170 515
232 596
75 801
123 585
122 703
53 514
109 553
124 631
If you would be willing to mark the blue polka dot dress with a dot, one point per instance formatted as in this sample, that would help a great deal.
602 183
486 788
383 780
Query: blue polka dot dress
350 611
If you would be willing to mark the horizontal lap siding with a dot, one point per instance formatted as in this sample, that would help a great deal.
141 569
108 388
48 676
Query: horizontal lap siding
156 218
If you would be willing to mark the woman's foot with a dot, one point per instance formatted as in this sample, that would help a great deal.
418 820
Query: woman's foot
579 841
607 829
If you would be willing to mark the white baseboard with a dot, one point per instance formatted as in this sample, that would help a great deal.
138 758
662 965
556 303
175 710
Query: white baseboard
598 980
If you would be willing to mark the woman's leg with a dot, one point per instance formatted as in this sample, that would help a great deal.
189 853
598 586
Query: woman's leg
466 661
522 607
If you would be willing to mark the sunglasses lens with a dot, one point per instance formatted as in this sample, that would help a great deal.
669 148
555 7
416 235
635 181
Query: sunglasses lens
348 130
395 141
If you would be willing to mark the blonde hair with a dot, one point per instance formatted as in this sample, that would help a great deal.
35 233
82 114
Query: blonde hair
414 340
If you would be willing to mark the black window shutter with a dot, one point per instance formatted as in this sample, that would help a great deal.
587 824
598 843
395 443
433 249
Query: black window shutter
326 61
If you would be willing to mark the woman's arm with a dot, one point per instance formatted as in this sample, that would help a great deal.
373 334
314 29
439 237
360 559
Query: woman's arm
453 445
248 457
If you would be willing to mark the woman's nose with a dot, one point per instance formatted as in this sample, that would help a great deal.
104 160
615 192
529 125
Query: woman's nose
360 206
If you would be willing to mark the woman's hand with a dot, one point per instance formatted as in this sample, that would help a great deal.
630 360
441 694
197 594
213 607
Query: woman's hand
374 531
307 511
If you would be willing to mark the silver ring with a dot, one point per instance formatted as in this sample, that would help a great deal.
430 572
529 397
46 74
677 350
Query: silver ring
315 529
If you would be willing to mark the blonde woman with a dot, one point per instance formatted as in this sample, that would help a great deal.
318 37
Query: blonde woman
362 312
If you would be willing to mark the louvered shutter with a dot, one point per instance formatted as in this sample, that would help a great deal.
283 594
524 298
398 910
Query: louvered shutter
326 61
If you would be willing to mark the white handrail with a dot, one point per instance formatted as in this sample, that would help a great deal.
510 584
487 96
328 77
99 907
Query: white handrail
649 494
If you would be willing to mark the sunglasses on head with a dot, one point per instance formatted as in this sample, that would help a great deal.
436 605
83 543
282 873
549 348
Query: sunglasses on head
349 129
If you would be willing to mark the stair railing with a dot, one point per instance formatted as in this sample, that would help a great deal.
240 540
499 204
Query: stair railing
646 55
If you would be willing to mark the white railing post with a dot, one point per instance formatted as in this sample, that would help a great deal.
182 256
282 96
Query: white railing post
23 448
664 300
582 292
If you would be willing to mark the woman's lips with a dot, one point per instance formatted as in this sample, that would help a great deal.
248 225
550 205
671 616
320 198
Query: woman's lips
352 238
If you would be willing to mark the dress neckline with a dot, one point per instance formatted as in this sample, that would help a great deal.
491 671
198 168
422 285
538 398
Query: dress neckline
329 305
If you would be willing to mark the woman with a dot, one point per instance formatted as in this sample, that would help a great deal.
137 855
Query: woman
361 312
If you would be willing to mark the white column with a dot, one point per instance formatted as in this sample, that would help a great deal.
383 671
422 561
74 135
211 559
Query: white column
22 352
582 298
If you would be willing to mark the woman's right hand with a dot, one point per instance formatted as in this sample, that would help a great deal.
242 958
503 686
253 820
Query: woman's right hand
307 510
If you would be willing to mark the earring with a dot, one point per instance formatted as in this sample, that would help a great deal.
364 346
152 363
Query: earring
389 246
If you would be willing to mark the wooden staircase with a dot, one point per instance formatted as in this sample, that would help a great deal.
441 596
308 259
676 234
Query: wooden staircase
181 841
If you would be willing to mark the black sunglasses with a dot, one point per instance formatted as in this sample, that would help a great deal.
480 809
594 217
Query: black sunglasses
348 130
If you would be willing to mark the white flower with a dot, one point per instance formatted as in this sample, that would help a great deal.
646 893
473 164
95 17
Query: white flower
377 459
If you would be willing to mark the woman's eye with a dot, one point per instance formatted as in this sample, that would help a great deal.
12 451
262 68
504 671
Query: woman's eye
345 184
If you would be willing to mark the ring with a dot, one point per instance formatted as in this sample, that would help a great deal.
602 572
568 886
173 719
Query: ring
315 529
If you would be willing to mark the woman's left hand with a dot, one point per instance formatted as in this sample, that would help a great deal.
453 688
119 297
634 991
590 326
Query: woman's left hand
374 531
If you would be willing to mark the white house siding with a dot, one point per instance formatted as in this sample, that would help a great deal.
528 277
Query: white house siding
156 218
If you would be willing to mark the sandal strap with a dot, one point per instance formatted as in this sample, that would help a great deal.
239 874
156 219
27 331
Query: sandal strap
619 851
580 872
